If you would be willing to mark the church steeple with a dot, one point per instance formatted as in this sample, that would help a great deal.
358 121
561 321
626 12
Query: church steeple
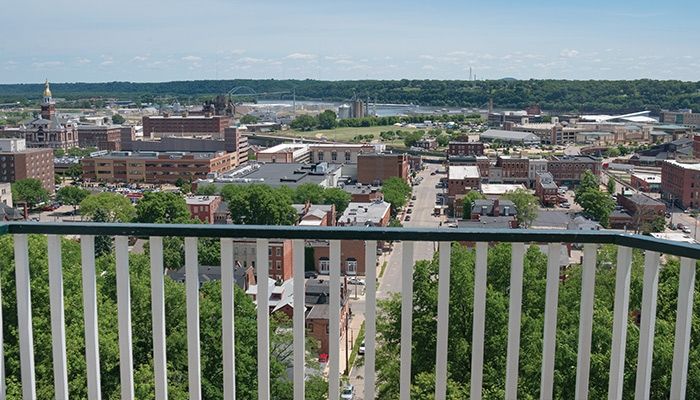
48 106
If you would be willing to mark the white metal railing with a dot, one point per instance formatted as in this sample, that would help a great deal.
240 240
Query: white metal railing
87 243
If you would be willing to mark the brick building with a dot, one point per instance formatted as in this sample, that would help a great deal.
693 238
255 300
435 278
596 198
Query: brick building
546 190
153 167
317 298
185 125
514 169
18 162
646 182
680 182
342 152
685 117
363 193
463 147
642 206
461 179
568 171
280 257
104 137
48 130
373 169
203 208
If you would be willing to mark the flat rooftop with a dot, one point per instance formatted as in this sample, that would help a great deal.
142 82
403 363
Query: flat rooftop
200 200
157 154
685 165
359 214
285 147
459 172
279 174
494 189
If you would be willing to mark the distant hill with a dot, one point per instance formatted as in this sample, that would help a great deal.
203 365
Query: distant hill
508 93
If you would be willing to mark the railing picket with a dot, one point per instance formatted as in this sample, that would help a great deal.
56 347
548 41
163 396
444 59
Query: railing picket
684 314
479 316
92 347
24 316
334 322
586 321
58 325
619 335
262 264
192 298
3 386
160 367
299 327
370 316
550 321
647 325
126 361
443 319
227 318
406 320
514 311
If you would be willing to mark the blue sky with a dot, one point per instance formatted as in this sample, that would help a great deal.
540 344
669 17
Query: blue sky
95 41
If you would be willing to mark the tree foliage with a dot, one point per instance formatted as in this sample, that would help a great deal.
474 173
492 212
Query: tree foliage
118 119
162 208
526 205
396 192
30 191
259 205
327 120
71 195
468 201
496 330
117 208
594 201
304 122
176 334
249 119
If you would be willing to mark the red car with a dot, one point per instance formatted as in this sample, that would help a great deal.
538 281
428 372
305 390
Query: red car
50 207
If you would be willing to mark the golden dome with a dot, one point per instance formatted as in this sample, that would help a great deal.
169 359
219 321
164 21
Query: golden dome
47 90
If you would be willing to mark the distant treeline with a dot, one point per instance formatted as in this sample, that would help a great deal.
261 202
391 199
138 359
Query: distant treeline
550 95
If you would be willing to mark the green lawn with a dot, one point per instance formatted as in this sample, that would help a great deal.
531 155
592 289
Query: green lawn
341 134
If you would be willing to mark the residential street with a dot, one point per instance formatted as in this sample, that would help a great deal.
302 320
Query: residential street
422 216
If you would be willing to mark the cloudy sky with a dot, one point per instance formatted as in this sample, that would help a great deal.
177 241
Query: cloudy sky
141 40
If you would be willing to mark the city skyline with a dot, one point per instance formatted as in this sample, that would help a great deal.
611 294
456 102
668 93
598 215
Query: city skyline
140 42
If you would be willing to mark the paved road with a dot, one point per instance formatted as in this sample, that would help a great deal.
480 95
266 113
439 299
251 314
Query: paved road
390 283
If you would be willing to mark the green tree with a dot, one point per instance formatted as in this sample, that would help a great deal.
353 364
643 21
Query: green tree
117 207
303 122
395 223
594 201
71 195
412 138
75 171
30 191
162 208
611 185
338 197
118 119
103 244
396 192
327 120
525 204
468 202
206 190
443 140
259 205
249 119
308 192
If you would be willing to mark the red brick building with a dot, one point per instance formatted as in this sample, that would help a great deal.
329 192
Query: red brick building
23 163
680 182
373 169
462 179
568 171
184 125
280 257
317 298
154 167
546 190
462 147
203 208
104 137
514 170
646 208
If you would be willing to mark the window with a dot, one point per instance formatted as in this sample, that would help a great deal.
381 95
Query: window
334 156
351 268
310 326
278 251
269 251
324 265
278 265
347 156
320 156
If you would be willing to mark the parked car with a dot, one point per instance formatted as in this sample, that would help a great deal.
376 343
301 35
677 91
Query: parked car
361 350
413 197
50 207
565 205
408 218
356 281
409 211
348 392
310 274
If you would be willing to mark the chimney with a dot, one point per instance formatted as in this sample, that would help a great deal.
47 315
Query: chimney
506 209
496 208
483 210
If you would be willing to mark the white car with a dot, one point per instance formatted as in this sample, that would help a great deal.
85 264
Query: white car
356 281
348 392
361 350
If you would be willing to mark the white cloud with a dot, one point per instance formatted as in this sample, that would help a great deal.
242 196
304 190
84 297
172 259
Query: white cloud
250 60
426 57
139 59
336 58
107 62
83 61
428 67
47 64
191 58
301 56
566 53
457 53
345 62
